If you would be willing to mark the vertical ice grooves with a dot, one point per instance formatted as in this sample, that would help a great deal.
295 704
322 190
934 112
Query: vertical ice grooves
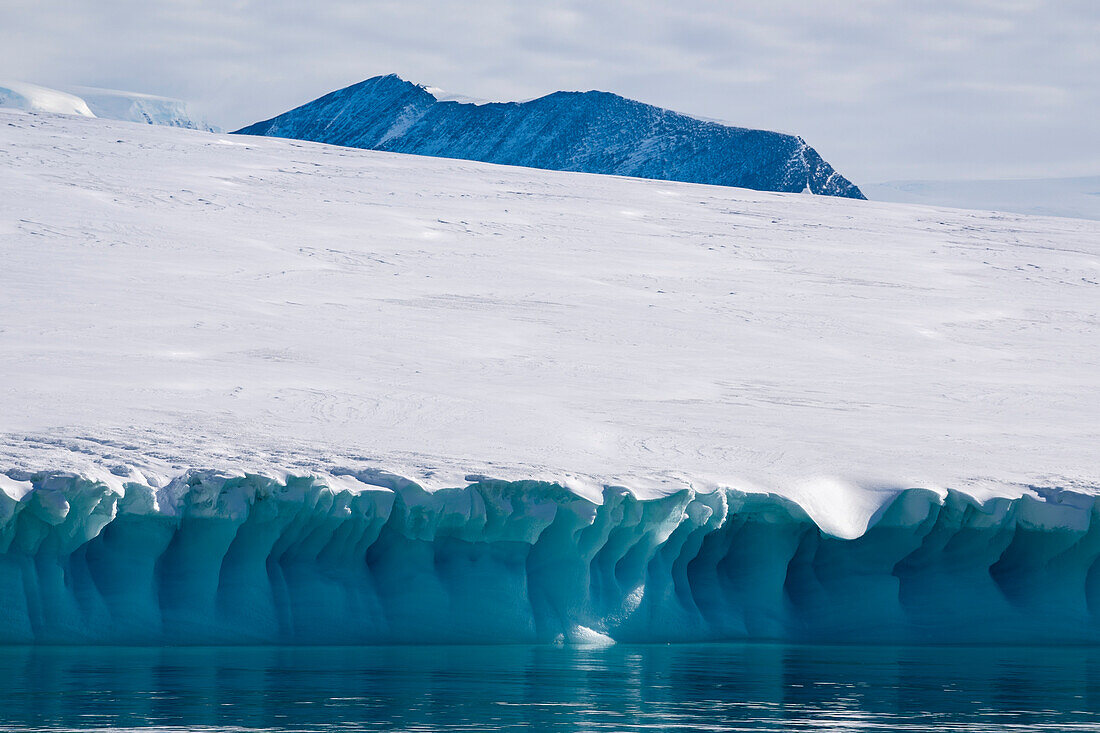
249 559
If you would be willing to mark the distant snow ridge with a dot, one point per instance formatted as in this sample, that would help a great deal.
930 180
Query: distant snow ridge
373 558
33 98
591 132
134 107
109 104
1070 197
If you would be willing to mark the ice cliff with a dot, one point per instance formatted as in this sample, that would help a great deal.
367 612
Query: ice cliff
372 558
591 132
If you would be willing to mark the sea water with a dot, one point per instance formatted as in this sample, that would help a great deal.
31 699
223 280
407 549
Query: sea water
714 687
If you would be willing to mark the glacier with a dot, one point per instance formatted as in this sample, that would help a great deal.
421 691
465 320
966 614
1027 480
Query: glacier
148 109
33 98
592 132
109 104
372 558
261 390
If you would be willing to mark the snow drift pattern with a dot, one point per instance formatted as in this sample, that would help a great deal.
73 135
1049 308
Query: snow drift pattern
373 558
590 132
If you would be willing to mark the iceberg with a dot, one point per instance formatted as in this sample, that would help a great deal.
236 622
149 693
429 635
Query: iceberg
258 390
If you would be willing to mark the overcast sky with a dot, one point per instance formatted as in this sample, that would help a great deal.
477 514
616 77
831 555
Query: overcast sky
884 89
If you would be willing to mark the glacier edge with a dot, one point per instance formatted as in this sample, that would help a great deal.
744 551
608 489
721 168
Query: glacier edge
215 557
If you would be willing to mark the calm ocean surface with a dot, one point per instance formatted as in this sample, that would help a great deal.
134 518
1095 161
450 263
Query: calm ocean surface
621 688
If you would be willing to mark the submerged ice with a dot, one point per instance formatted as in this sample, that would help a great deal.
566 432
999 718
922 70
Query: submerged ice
373 558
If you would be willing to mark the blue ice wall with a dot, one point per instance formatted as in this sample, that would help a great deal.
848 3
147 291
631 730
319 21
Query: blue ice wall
590 132
213 559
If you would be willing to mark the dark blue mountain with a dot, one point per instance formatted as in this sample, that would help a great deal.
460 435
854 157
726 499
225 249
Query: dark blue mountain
592 132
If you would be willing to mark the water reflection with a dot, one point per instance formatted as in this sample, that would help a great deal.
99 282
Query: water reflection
622 688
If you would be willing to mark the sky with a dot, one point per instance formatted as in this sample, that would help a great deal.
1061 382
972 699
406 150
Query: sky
884 89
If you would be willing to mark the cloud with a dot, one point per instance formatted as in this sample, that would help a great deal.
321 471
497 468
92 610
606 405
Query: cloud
883 88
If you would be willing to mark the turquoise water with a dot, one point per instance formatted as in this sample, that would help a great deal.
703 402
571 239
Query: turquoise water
621 688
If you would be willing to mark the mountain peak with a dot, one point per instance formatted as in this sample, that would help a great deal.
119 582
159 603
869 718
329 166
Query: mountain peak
591 131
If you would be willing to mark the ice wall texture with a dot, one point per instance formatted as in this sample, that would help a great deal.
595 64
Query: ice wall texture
221 558
590 132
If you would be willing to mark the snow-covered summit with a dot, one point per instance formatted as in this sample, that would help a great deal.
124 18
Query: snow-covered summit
592 132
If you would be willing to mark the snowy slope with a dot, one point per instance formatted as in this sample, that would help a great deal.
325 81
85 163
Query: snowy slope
233 365
147 108
592 132
33 98
1072 197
